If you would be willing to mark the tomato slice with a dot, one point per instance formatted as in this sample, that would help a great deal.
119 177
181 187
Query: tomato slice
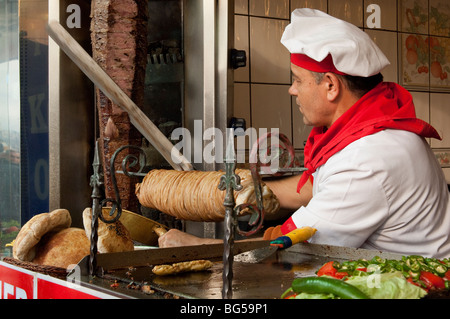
327 270
340 275
411 281
431 280
447 275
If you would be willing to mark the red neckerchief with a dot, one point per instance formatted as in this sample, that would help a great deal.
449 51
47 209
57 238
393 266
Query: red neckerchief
387 106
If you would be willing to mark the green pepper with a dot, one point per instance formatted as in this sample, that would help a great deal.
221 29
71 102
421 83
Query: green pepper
411 267
325 285
415 266
415 257
400 266
344 268
360 273
414 275
440 270
425 267
446 261
373 268
378 260
337 265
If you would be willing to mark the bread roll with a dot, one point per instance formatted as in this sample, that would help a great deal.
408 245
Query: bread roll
195 196
31 233
112 238
63 248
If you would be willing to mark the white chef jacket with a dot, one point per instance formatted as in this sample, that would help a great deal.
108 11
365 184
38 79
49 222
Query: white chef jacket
385 191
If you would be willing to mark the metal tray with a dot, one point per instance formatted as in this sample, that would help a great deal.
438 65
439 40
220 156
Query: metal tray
265 280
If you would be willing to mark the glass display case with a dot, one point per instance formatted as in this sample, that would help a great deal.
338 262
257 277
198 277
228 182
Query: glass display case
23 115
9 124
47 132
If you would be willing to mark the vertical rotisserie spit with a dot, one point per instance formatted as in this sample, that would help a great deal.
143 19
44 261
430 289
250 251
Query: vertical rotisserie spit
119 46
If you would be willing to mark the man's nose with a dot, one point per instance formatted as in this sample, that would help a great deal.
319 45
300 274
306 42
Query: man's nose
292 90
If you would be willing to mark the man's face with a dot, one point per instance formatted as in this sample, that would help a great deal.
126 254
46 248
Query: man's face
310 97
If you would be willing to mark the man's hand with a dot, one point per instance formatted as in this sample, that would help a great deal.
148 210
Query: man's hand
176 238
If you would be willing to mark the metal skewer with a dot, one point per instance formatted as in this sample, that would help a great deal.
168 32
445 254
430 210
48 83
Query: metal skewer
96 182
229 182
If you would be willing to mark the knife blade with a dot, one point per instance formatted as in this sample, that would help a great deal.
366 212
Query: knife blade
158 256
292 238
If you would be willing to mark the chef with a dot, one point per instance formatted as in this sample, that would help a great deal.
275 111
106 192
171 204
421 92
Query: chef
372 181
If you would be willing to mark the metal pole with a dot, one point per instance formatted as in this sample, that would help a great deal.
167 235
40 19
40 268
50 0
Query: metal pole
96 182
229 182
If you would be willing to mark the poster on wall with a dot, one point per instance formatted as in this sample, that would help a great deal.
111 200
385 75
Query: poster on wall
425 44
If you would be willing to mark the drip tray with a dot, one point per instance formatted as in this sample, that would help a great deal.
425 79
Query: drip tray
266 280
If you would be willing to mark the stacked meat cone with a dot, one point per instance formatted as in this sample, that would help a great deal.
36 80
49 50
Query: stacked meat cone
195 196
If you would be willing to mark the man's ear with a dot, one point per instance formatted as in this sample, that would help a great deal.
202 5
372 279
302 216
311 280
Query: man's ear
332 85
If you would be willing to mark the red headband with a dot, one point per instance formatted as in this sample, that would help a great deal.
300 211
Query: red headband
305 62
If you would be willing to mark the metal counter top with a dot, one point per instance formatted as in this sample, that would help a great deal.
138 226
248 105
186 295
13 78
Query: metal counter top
265 280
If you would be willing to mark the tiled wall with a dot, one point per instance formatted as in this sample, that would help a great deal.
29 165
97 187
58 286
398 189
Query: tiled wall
404 33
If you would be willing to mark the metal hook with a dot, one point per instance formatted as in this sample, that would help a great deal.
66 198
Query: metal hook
129 161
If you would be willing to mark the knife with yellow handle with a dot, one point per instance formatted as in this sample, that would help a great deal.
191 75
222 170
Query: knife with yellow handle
260 254
294 237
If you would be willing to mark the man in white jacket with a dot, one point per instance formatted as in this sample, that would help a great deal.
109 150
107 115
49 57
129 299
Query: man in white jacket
372 179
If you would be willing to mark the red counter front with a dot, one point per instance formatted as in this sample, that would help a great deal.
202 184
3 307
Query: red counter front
19 283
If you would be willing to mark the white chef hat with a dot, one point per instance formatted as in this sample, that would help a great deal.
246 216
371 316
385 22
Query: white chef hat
322 43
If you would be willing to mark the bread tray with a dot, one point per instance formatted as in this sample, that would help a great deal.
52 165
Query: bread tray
53 271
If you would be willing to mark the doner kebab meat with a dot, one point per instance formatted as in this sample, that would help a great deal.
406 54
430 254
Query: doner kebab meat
195 196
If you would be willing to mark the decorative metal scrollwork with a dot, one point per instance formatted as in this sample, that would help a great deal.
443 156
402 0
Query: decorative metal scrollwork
96 182
280 151
130 161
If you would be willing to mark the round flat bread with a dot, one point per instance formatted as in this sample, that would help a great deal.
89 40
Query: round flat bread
63 248
33 230
112 238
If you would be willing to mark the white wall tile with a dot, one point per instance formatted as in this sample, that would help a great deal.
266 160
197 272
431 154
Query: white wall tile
321 5
268 62
439 64
241 43
270 8
269 59
422 103
440 118
241 6
413 58
387 42
347 10
413 16
447 174
271 108
241 105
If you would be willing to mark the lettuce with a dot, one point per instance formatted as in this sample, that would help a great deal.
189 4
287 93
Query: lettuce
305 295
387 286
377 286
